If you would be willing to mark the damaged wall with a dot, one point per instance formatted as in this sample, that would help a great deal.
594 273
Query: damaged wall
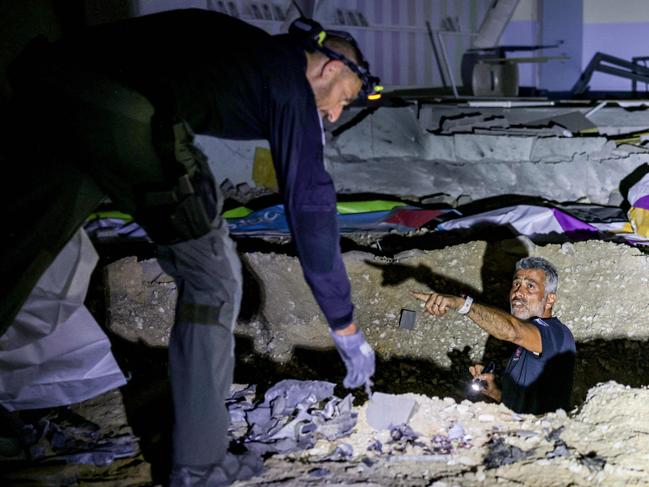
389 152
397 157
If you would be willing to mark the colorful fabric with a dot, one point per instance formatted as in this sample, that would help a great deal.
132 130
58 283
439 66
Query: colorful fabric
526 220
533 221
639 211
272 221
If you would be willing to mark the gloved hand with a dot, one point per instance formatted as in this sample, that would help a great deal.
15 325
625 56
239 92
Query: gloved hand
358 357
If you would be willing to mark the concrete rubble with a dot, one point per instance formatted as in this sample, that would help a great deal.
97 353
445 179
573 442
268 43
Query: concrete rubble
450 437
140 300
444 437
447 443
88 442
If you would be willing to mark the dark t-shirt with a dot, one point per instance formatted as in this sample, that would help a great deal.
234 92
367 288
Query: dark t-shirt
537 384
232 80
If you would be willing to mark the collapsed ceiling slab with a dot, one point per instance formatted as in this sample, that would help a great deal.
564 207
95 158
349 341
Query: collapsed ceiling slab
388 152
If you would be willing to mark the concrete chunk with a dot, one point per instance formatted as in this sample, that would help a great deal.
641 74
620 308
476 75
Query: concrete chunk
387 410
408 319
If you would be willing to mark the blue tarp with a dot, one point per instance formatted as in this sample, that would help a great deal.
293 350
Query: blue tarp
272 221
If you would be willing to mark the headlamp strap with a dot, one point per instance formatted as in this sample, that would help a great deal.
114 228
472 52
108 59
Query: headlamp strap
314 35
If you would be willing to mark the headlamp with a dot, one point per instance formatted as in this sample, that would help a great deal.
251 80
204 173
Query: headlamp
313 36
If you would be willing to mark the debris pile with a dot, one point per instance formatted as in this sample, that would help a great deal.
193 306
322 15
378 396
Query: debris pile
471 444
293 416
73 445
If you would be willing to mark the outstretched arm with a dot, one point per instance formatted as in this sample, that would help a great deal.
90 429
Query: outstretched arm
296 141
494 321
310 200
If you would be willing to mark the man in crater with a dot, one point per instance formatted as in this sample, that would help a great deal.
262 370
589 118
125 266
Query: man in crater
539 374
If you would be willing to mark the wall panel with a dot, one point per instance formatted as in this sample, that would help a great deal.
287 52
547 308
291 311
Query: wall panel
396 43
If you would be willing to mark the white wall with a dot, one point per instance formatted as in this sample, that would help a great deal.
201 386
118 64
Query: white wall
396 43
523 30
619 28
615 11
398 47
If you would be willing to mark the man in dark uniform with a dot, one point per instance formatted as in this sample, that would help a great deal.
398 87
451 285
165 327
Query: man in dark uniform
539 374
110 113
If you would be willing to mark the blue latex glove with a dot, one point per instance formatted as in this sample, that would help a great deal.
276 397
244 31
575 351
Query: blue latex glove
358 357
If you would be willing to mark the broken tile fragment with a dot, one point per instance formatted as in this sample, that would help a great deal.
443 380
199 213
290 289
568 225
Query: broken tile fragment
387 410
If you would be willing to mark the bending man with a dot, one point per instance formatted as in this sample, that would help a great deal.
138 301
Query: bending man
113 110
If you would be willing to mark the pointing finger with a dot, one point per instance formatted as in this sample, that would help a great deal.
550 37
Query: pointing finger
420 296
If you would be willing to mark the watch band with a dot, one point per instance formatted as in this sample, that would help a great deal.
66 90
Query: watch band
468 301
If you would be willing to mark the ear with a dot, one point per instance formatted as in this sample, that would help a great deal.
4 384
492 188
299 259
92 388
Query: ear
332 68
550 300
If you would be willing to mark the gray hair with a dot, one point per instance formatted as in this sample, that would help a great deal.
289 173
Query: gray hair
551 275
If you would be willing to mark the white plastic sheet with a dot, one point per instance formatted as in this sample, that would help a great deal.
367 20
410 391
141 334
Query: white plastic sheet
55 353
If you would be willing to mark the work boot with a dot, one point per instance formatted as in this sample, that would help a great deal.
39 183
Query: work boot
233 467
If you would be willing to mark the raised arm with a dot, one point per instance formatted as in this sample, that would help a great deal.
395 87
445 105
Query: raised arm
494 321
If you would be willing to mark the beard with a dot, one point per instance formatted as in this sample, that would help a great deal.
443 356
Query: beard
524 311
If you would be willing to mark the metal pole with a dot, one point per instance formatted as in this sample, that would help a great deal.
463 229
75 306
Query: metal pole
447 64
439 62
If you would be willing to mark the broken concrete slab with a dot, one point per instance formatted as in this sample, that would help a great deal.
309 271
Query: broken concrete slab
478 165
488 148
571 175
574 121
610 120
386 133
586 448
391 152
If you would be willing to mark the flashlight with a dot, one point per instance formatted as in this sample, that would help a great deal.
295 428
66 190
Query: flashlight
478 385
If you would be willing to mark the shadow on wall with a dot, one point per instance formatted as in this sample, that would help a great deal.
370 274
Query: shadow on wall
501 254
